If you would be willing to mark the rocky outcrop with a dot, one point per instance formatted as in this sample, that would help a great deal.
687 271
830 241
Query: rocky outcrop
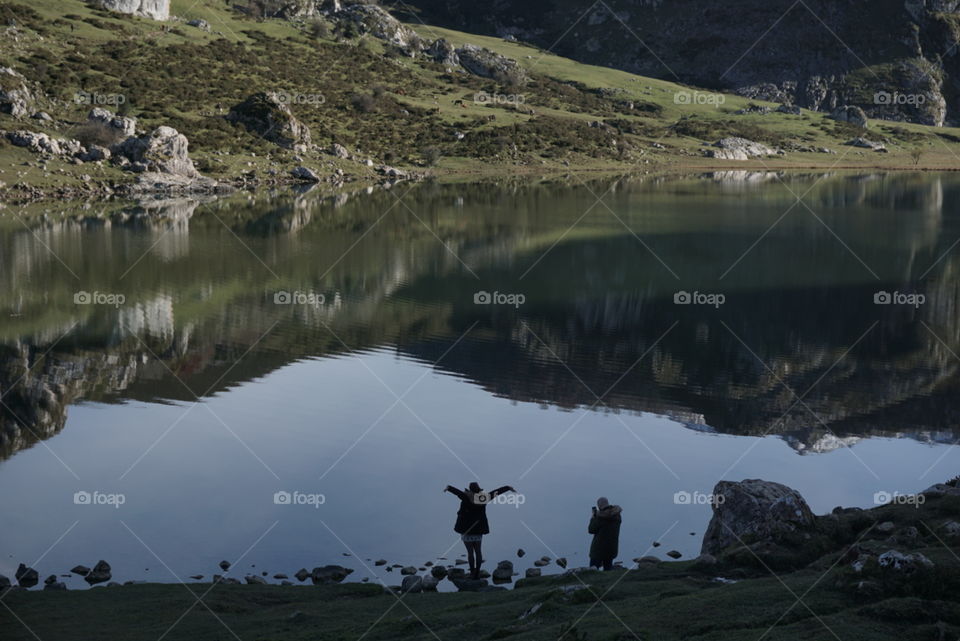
122 125
16 98
165 150
155 9
489 64
267 115
369 18
443 53
754 511
738 149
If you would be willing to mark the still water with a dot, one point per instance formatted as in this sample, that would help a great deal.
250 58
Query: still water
284 380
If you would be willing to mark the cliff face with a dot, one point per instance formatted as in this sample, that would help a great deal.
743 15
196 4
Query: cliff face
897 59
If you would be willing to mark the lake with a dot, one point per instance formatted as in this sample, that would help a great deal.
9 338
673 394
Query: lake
281 380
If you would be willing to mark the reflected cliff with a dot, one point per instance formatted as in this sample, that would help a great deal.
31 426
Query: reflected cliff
216 293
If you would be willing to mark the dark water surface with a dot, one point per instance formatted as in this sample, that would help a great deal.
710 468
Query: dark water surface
332 349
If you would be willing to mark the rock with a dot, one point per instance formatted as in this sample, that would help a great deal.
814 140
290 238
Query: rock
329 574
224 565
520 553
503 572
705 560
380 562
866 144
470 585
562 562
652 560
4 583
203 25
430 583
460 562
412 583
26 577
850 113
280 575
95 153
793 110
302 575
82 570
121 125
99 574
154 9
42 115
286 583
55 585
438 571
408 570
50 579
735 148
674 554
196 577
908 563
444 53
532 572
951 528
304 174
253 579
267 115
35 142
339 151
15 97
488 64
456 574
656 544
760 510
164 151
372 19
885 528
541 563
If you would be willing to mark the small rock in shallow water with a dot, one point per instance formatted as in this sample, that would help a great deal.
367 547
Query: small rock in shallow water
82 570
408 570
673 554
532 572
26 577
196 577
562 562
224 565
520 553
381 562
302 575
280 576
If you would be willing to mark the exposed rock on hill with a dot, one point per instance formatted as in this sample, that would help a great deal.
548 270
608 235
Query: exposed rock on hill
156 9
267 115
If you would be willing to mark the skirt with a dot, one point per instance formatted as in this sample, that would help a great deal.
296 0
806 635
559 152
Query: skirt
471 538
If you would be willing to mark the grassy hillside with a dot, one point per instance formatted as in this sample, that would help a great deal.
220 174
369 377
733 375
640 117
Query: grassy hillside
363 93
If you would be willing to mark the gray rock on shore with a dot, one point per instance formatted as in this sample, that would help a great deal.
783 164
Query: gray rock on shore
26 577
101 573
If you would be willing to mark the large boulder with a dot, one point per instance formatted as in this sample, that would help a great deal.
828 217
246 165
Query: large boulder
16 98
753 511
488 64
329 574
165 151
444 53
503 573
100 573
850 113
267 115
26 577
123 126
155 9
735 148
36 142
412 583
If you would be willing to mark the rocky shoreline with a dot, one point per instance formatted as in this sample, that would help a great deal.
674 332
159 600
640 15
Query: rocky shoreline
756 525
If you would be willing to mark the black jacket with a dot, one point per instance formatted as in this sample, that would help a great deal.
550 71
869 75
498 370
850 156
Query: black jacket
605 528
472 515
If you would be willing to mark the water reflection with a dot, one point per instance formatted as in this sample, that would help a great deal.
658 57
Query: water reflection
798 348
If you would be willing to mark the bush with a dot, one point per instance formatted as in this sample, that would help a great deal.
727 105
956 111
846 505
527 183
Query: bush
97 133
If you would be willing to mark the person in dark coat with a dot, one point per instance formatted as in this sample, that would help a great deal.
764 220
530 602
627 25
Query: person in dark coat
605 528
472 522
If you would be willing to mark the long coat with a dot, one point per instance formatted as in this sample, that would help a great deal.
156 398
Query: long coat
605 528
472 515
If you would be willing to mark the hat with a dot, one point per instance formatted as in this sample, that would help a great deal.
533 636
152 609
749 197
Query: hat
602 502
